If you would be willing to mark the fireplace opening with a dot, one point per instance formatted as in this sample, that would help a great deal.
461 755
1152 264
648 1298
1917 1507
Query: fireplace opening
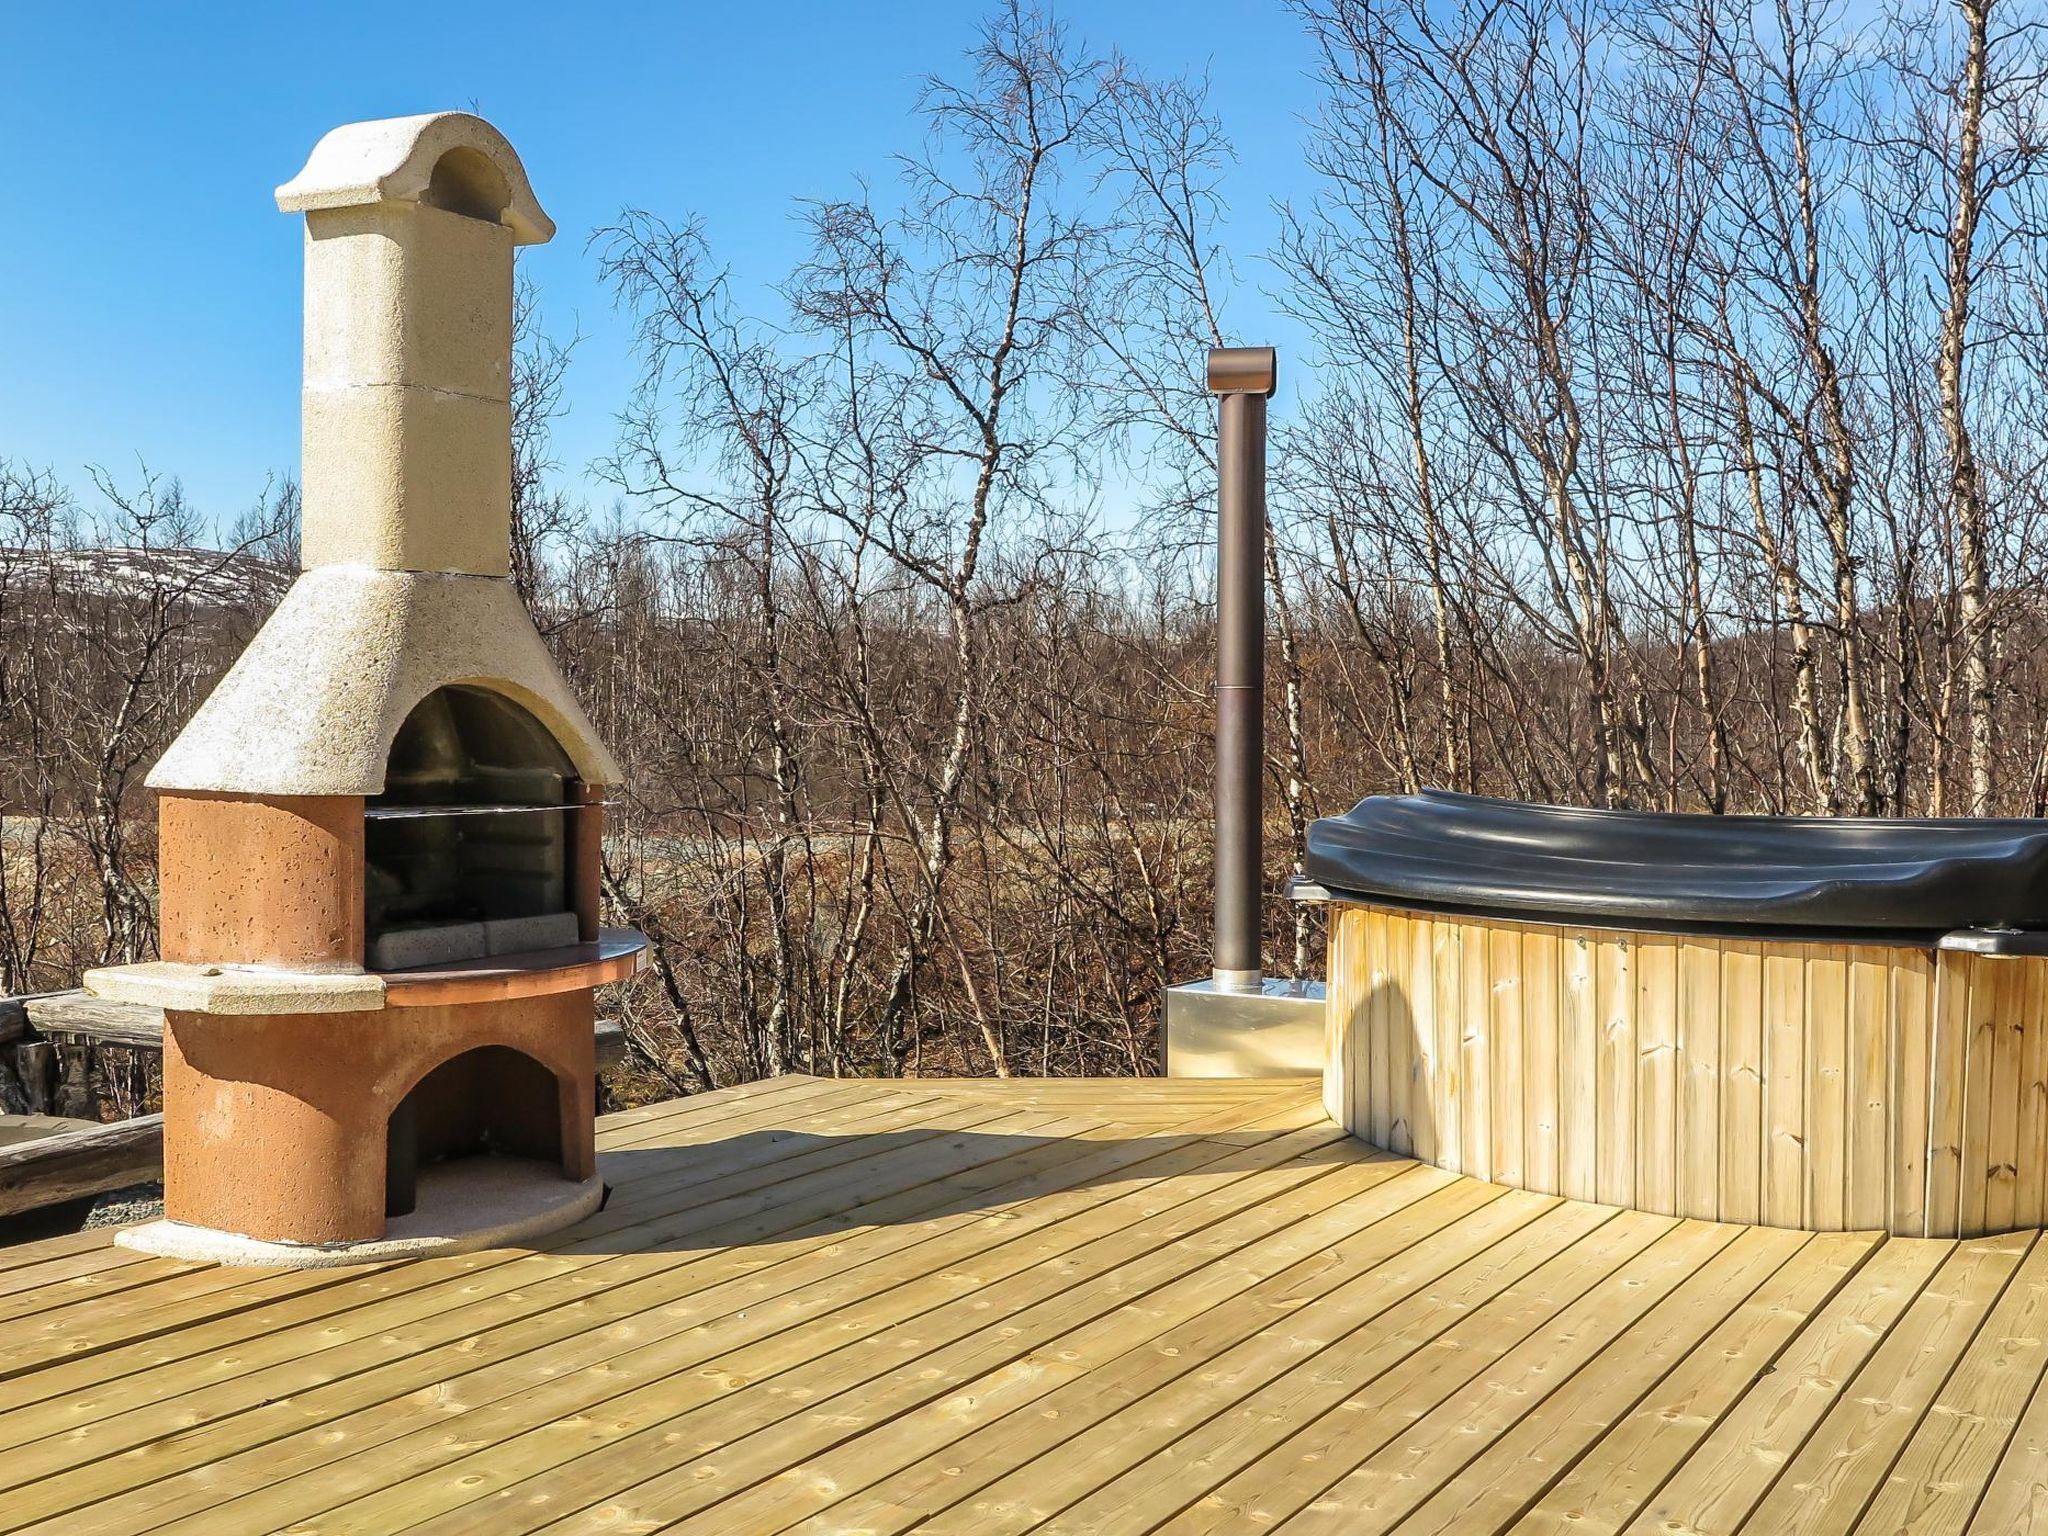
467 850
490 1101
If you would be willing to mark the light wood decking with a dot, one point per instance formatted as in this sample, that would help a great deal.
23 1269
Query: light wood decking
1081 1306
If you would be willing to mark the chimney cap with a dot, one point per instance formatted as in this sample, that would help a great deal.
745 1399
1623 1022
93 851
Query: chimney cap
1243 370
407 160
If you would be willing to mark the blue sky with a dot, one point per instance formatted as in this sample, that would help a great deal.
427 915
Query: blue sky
149 289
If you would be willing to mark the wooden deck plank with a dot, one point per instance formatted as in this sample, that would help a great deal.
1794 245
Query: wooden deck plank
189 1296
399 1324
450 1295
2015 1500
1088 1306
30 1267
717 1117
595 1243
1459 1219
1361 1382
1386 1487
83 1260
723 1106
1945 1469
1183 1409
1713 1492
696 1108
748 1118
1844 1462
746 1141
803 1393
20 1256
82 1274
1605 1488
641 1285
536 1319
1299 1468
691 1315
1511 1471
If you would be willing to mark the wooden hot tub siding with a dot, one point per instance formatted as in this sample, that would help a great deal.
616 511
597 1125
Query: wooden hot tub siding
1819 1085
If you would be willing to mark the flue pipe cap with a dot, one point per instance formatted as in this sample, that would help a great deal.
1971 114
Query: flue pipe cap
1243 370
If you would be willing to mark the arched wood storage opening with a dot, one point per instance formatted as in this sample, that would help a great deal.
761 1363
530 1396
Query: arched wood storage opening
488 1101
1825 1086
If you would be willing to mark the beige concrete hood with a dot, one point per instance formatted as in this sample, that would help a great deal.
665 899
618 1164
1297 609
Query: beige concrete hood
406 473
313 704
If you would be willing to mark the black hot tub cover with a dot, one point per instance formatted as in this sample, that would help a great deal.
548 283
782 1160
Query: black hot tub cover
1803 874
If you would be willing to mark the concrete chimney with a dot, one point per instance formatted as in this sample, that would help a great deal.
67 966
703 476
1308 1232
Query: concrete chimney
407 457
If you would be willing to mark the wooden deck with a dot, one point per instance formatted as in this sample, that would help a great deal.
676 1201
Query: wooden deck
1078 1306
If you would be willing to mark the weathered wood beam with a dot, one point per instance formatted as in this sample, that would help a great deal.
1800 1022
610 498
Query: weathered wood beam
76 1164
611 1043
74 1015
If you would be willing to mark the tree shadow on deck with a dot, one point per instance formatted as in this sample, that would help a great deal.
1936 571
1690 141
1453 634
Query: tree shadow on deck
765 1187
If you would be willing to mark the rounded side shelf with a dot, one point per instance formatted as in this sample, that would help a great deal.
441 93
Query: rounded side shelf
617 954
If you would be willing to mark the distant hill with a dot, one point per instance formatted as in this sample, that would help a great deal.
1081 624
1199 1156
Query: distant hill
208 578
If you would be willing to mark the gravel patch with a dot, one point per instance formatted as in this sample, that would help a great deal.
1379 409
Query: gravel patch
118 1207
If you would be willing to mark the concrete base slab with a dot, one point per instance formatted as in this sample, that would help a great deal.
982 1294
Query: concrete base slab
1274 1032
463 1205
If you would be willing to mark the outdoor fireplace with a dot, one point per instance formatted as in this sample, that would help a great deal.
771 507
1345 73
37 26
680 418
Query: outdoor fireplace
380 833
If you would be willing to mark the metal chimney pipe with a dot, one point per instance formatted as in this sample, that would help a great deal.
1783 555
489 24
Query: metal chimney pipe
1244 378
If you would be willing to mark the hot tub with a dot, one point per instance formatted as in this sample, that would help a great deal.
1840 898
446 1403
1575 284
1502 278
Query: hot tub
1803 1022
